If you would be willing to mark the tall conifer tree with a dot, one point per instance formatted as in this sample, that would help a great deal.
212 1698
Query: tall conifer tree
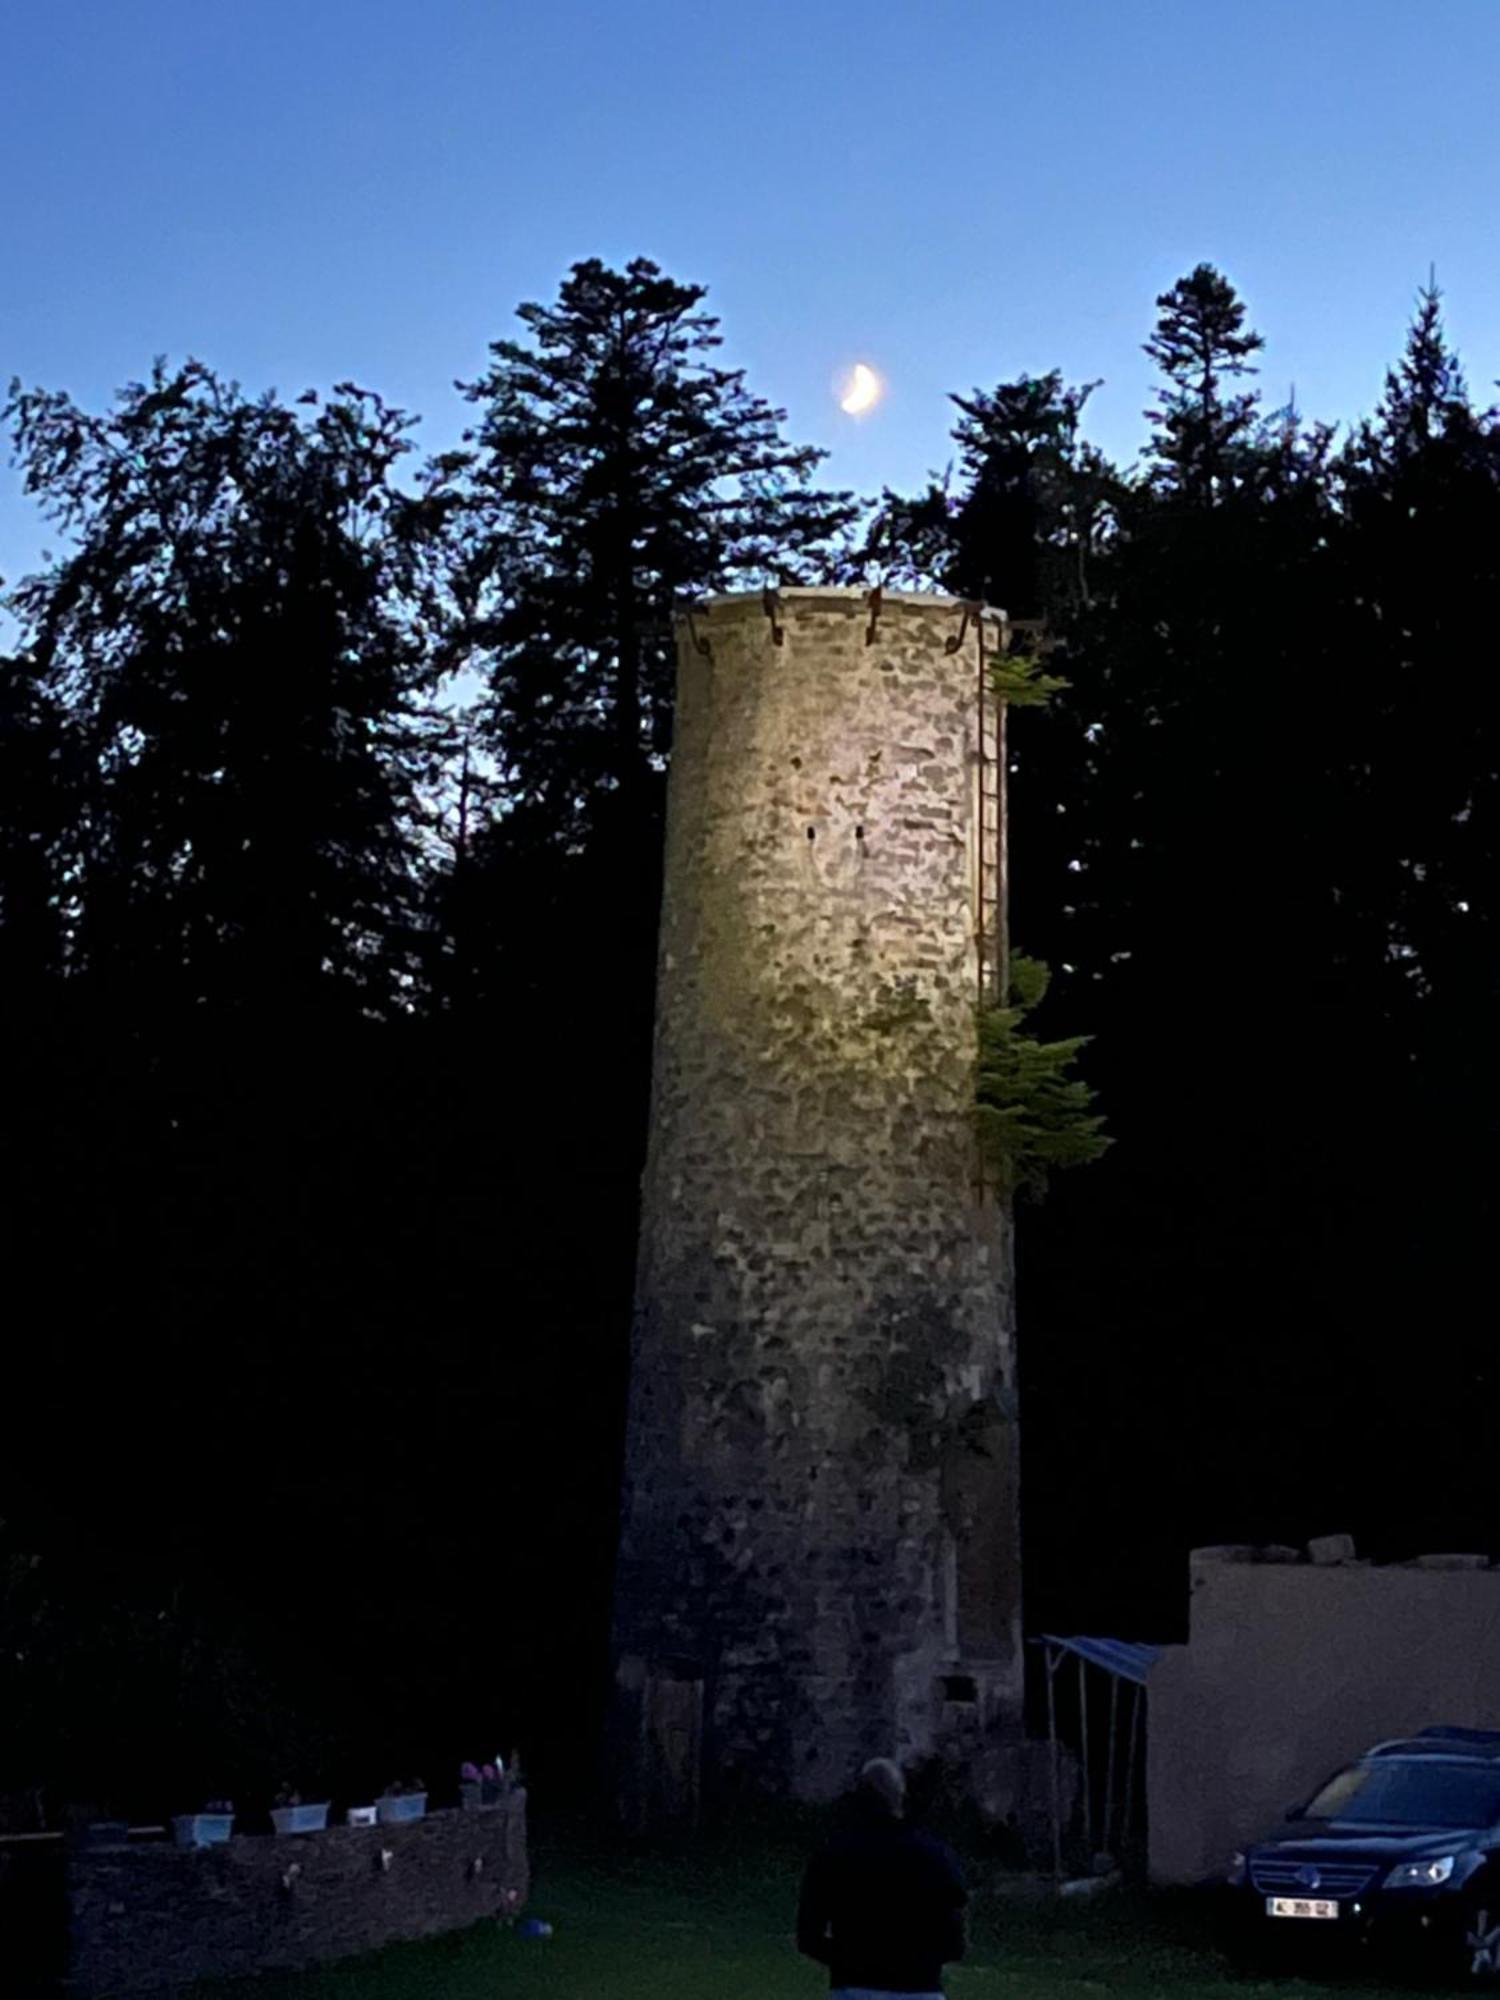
1203 348
613 469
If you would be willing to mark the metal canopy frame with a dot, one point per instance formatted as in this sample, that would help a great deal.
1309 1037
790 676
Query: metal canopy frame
1126 1664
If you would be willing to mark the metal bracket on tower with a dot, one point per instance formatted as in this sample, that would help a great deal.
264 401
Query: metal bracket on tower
975 611
1032 631
874 601
770 603
700 644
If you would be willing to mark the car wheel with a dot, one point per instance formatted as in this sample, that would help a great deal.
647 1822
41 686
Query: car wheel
1480 1959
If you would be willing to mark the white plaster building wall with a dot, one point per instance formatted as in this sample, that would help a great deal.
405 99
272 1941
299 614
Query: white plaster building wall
1294 1669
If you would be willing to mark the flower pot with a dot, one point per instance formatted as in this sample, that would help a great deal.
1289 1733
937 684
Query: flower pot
202 1829
474 1795
404 1806
361 1816
300 1819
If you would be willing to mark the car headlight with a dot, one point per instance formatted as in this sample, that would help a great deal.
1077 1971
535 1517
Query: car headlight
1422 1874
1235 1874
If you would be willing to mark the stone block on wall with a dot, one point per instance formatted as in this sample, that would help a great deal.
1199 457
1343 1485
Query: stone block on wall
1331 1549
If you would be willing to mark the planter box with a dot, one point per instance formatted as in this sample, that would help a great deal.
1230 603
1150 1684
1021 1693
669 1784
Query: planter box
300 1819
405 1806
202 1829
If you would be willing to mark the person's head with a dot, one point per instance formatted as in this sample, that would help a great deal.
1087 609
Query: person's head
882 1788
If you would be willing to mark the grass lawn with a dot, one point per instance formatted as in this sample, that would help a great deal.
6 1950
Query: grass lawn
716 1925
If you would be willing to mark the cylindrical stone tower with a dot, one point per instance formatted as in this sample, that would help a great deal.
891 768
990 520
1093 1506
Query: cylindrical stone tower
820 1557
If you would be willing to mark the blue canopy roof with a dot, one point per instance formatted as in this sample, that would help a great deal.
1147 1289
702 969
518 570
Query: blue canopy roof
1127 1659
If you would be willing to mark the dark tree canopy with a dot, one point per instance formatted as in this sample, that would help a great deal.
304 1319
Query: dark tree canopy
1419 488
614 468
1426 400
1031 509
1255 839
38 797
1202 348
234 640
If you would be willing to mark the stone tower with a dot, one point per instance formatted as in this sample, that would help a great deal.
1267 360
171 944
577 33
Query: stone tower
819 1555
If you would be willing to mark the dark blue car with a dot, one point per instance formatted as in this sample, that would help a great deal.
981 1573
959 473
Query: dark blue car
1398 1853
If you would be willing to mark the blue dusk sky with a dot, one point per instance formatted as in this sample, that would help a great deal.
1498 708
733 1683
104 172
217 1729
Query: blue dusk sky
956 191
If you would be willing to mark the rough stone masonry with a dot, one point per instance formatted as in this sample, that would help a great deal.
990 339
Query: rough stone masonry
820 1533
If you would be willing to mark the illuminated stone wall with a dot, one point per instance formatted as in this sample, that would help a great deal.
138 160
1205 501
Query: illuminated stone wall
820 1509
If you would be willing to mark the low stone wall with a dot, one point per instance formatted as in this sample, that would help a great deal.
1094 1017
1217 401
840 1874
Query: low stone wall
143 1917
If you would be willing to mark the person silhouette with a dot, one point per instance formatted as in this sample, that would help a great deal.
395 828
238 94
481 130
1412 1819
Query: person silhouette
882 1903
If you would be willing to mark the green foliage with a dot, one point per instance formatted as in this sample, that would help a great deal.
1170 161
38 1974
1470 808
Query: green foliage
1030 981
1018 680
1034 1115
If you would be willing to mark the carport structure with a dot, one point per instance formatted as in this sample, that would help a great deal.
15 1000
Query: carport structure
1104 1667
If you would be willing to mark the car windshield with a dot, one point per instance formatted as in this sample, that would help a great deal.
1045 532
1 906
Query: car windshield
1399 1793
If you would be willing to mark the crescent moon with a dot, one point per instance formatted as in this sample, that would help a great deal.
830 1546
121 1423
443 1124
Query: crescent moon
862 393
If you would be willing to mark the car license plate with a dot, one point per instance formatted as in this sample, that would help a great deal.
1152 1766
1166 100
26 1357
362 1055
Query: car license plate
1300 1906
